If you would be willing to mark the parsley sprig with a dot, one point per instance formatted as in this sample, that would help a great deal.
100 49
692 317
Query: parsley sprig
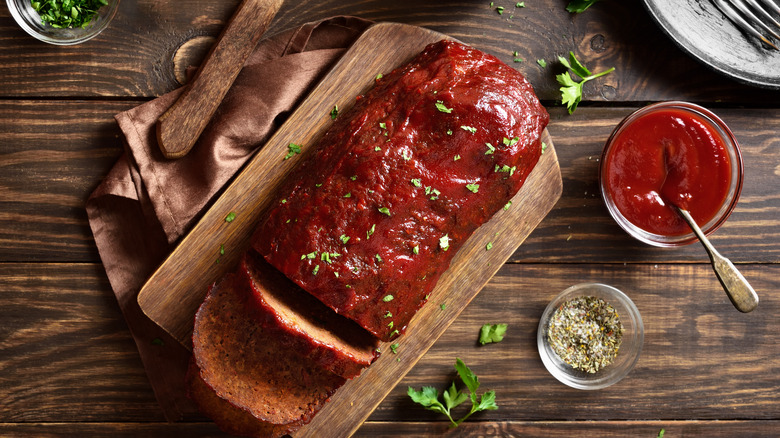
571 92
428 396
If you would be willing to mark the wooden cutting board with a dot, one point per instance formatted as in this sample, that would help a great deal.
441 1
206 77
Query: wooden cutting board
173 293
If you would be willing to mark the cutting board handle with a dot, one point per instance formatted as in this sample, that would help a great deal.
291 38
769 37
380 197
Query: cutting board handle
179 128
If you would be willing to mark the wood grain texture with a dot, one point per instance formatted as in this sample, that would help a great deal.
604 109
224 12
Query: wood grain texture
180 126
65 355
133 57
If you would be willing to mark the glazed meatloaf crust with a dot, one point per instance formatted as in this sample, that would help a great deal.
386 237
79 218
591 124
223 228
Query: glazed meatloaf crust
250 368
375 215
302 324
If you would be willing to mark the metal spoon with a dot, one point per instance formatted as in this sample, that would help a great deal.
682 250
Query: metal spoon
737 288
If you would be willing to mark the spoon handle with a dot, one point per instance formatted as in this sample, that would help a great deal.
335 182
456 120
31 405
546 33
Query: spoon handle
742 295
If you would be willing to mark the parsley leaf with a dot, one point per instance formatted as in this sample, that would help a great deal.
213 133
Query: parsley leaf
230 217
571 92
334 112
440 106
491 333
429 396
444 242
474 188
384 210
292 150
542 63
576 6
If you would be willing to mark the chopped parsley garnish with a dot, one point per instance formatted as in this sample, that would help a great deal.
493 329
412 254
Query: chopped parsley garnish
384 210
542 62
544 147
378 258
222 249
416 182
283 201
456 158
474 188
388 314
318 185
315 270
489 246
491 333
158 341
379 76
449 132
507 205
442 306
334 112
510 141
344 238
500 10
383 125
440 106
406 156
377 149
230 217
571 91
370 231
520 4
444 242
353 177
416 249
470 129
387 298
309 256
390 324
325 256
348 195
292 149
506 169
490 150
394 348
68 13
518 60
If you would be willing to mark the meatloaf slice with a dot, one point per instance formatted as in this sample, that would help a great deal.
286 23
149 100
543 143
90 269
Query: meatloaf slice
374 216
227 417
303 324
248 367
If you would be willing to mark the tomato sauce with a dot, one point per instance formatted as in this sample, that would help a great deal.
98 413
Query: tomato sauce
664 158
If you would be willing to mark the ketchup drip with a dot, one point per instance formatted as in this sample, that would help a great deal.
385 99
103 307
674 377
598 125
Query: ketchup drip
665 158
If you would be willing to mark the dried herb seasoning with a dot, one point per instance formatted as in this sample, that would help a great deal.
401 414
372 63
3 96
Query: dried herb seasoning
585 332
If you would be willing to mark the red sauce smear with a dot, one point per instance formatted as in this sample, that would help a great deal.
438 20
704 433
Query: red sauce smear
668 157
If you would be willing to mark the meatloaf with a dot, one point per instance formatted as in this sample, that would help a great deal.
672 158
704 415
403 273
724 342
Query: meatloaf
373 217
249 368
303 325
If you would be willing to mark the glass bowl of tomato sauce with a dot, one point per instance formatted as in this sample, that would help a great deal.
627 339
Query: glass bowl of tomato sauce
667 154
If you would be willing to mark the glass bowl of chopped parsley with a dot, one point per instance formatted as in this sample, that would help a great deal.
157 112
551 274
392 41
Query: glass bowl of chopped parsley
63 22
590 336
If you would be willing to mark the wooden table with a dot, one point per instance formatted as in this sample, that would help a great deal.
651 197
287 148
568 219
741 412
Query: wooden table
68 365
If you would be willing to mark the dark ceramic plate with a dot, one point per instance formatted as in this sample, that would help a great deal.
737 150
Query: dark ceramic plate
700 29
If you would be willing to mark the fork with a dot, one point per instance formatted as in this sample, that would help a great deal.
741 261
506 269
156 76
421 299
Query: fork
750 15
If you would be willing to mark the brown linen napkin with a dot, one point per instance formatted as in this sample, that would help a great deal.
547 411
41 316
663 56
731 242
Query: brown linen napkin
147 202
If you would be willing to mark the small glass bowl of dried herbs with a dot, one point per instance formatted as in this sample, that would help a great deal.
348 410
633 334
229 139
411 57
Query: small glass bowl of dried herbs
590 336
63 22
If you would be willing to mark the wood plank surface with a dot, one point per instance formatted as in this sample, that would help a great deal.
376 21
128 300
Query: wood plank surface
526 429
65 354
54 153
133 57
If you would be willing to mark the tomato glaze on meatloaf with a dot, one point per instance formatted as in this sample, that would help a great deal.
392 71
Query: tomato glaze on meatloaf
373 217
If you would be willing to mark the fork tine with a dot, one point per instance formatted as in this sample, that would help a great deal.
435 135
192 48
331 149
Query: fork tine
739 4
737 19
761 11
772 5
